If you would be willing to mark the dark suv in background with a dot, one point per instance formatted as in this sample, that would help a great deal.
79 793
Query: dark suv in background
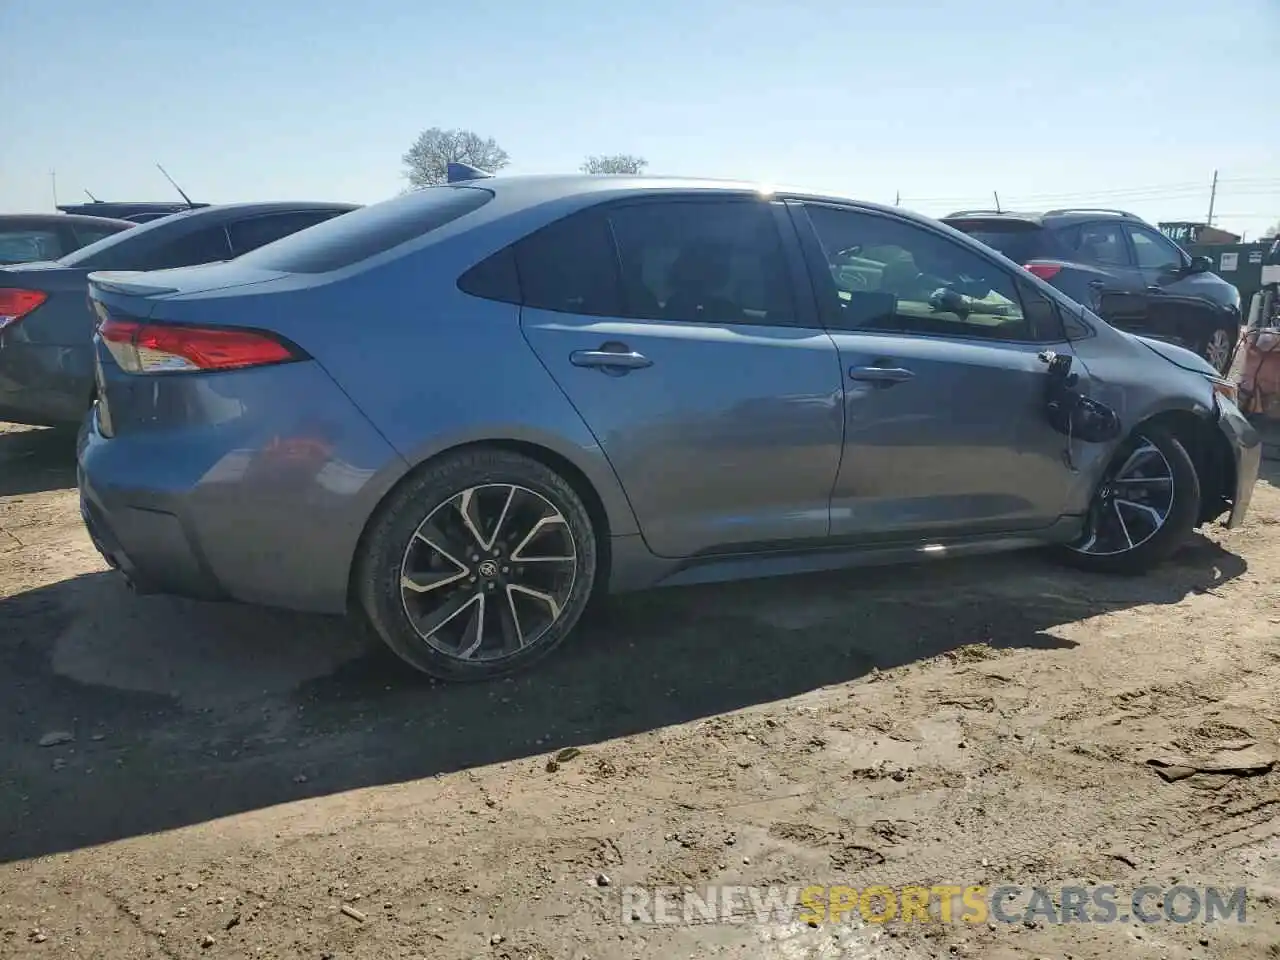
1123 269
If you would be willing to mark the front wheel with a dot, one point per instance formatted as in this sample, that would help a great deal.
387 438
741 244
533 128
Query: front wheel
1219 347
1143 509
478 565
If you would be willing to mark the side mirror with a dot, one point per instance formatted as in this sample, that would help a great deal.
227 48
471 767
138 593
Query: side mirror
1200 265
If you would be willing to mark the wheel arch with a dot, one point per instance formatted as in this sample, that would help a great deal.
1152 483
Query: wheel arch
1210 454
573 474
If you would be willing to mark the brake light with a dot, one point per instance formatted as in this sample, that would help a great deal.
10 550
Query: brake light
145 348
1045 271
16 304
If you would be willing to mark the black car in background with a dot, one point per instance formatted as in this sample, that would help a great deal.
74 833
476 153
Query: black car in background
27 237
1123 269
46 327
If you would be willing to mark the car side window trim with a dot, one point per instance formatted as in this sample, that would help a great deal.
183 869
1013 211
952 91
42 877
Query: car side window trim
802 294
822 288
826 294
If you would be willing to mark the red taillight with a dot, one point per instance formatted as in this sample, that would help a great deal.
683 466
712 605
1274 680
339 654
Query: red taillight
1045 271
166 348
16 304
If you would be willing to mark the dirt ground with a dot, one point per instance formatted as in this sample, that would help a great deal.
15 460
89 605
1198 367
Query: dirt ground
235 777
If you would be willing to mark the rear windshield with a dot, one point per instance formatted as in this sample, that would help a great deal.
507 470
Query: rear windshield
371 230
1019 244
97 255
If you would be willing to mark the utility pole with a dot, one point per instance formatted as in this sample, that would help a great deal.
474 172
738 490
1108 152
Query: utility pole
1213 195
997 196
897 198
53 180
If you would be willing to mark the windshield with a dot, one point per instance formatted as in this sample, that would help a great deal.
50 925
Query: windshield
88 256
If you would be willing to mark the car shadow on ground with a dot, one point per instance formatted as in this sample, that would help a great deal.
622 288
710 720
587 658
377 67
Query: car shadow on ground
36 460
184 712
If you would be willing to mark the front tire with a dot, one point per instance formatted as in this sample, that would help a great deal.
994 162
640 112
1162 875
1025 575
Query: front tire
478 566
1219 348
1144 508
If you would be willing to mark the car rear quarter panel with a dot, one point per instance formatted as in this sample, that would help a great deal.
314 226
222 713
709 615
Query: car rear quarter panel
271 473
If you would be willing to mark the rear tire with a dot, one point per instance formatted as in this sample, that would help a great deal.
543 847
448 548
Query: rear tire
1144 508
477 566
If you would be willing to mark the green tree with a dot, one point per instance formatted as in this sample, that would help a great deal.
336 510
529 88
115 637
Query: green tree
426 162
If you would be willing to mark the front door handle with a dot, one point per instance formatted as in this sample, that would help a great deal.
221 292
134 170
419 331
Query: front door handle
880 374
616 359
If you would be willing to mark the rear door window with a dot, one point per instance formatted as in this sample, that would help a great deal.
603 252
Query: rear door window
703 261
570 266
254 232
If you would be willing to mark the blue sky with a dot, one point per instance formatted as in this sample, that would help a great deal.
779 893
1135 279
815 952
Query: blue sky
1126 102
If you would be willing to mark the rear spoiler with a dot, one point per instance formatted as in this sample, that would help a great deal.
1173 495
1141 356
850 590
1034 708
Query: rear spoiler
119 282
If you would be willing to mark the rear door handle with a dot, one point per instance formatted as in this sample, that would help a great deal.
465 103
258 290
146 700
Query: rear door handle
617 359
881 374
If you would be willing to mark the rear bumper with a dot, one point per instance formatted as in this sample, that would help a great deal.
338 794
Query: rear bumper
1246 448
149 547
259 499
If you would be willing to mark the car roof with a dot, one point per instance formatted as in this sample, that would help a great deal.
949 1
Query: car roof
536 189
53 219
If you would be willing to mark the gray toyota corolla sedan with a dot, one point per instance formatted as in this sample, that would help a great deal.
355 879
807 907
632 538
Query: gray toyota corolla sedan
461 412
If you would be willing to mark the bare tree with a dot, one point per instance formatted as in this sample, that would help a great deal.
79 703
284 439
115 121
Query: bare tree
614 163
427 160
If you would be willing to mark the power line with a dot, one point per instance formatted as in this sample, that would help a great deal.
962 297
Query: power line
1185 191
